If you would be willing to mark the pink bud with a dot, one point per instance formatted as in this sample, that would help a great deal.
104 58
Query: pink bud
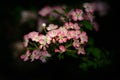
53 40
62 48
56 50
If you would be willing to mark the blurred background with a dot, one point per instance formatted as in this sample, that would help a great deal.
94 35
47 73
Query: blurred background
14 24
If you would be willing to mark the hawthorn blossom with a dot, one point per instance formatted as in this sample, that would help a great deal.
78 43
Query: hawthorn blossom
69 25
81 50
27 15
70 34
34 36
52 27
61 39
26 40
45 11
26 56
53 33
102 8
62 31
95 26
59 9
35 55
76 43
76 26
44 39
89 7
90 17
57 50
62 35
61 49
44 55
77 34
83 37
77 15
53 41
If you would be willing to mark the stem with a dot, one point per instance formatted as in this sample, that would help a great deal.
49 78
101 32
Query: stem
31 48
68 46
57 44
33 44
44 30
70 50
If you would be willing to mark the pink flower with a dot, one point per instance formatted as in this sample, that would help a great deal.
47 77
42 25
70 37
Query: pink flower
53 33
81 51
70 34
48 39
62 35
77 15
90 17
44 39
73 34
62 40
34 36
45 11
44 55
69 25
53 40
62 31
52 27
26 40
76 44
27 15
102 8
83 37
95 26
57 50
59 8
26 56
43 47
61 49
76 34
35 55
76 26
89 7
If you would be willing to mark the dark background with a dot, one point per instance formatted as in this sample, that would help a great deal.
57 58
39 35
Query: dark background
107 37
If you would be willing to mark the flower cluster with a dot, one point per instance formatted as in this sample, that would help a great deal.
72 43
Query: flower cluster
60 39
55 34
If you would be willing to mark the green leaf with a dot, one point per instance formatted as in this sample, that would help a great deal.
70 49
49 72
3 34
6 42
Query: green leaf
91 63
90 41
51 18
60 56
71 53
83 66
87 25
59 13
96 53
